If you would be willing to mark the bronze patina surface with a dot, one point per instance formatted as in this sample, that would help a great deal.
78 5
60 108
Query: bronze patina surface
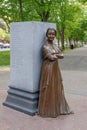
52 101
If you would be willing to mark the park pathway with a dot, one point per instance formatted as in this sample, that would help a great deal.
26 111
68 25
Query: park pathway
74 74
74 71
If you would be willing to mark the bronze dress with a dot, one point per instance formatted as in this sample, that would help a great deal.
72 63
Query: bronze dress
52 101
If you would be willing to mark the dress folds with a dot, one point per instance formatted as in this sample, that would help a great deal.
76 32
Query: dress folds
52 101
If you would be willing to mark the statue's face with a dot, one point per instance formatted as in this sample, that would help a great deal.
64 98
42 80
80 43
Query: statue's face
51 35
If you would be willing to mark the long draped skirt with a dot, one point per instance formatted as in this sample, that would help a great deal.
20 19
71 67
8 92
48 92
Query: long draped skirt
52 101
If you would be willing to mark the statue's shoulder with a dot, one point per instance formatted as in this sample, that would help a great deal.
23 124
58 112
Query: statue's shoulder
55 45
45 44
46 47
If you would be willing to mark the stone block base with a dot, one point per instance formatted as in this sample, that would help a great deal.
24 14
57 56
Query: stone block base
22 100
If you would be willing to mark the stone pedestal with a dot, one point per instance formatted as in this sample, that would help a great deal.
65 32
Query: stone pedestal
25 64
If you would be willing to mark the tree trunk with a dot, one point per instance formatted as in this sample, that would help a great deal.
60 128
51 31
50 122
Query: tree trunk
70 41
62 38
21 10
58 41
45 16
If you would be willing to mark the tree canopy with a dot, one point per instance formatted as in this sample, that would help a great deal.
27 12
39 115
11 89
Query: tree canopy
70 16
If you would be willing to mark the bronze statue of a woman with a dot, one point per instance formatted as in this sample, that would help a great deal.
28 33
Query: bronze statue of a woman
52 101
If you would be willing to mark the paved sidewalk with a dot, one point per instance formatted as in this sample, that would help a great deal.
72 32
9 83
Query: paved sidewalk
14 120
75 85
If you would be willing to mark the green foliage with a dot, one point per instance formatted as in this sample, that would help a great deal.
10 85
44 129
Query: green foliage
7 37
85 36
4 35
69 15
82 1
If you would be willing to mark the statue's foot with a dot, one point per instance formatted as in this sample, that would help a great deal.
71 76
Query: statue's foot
71 112
67 113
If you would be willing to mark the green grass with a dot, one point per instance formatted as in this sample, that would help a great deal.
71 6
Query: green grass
4 58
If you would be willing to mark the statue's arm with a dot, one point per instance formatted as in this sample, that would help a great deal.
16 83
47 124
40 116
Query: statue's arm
47 54
59 54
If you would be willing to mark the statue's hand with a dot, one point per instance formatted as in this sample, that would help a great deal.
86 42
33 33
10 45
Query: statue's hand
60 56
